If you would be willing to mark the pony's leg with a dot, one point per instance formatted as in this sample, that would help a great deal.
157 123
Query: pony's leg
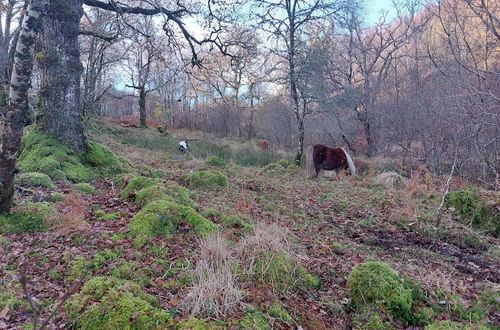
337 171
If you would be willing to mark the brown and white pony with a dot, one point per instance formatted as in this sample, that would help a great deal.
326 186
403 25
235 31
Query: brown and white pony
320 157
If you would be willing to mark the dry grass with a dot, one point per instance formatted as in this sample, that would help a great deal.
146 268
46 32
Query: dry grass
267 238
70 213
215 292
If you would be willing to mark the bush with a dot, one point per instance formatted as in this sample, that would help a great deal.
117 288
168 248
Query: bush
206 179
35 179
377 284
474 211
27 218
84 188
111 303
215 161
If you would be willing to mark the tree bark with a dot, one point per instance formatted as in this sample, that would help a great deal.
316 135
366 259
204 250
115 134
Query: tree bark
142 107
15 116
58 56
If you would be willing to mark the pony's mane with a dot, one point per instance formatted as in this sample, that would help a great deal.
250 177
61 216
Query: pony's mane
350 163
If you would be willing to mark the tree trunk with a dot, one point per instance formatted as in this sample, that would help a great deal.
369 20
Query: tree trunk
60 71
142 106
17 108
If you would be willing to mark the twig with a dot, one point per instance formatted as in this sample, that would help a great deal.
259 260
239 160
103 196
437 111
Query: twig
447 186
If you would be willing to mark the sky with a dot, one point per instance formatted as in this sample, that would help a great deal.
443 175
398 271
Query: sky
374 8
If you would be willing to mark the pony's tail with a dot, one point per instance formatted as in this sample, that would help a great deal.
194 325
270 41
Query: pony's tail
311 170
350 163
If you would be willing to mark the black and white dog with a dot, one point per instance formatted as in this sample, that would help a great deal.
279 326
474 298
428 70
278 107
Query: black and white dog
183 146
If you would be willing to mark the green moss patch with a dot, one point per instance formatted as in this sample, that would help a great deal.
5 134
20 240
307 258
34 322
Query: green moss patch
111 303
110 216
377 284
135 184
84 188
26 218
44 154
206 179
474 210
162 217
255 320
280 164
215 161
280 270
198 324
35 179
169 190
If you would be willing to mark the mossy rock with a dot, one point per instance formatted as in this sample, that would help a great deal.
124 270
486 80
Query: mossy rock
377 284
84 188
474 210
111 303
281 271
35 179
215 161
169 190
99 156
207 179
26 218
137 183
162 217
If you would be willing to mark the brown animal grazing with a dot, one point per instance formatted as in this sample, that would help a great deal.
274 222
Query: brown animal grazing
263 145
320 157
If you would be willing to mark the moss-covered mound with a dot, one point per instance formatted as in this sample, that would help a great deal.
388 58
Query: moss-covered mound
111 303
206 179
280 164
41 153
84 188
137 183
377 284
474 210
162 217
26 218
450 325
35 179
280 270
168 190
215 161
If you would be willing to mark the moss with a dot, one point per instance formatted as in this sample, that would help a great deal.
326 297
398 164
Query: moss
35 179
444 325
83 267
278 311
26 218
99 156
215 161
4 242
255 320
131 271
84 188
198 324
169 190
280 164
135 184
162 217
377 284
57 197
280 270
126 306
206 179
370 319
8 298
110 216
474 210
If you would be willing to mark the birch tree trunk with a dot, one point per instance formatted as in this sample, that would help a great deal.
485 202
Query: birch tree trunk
58 55
15 116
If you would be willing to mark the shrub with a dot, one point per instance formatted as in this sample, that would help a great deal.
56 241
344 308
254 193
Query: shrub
84 188
111 303
474 211
215 161
377 284
206 179
26 218
35 179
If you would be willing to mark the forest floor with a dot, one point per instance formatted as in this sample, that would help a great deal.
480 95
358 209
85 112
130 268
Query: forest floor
330 226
